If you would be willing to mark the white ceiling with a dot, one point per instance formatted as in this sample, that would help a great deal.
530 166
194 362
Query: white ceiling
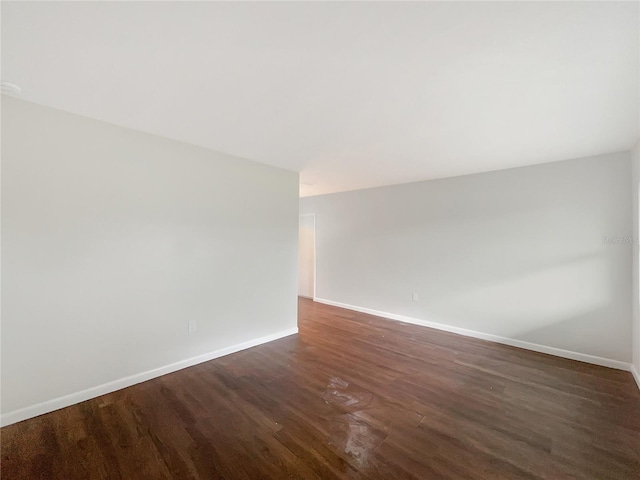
352 95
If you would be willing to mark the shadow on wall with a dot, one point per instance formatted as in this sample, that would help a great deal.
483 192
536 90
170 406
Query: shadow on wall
545 295
560 304
510 279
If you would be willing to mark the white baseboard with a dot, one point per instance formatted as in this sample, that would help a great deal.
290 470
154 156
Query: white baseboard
636 374
582 357
89 393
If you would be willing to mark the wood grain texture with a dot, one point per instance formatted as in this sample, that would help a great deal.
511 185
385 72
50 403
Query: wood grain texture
350 396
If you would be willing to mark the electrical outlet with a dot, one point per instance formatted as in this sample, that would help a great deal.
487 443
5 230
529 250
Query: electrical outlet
416 297
192 326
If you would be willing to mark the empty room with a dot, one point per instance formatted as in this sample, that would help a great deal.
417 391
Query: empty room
320 240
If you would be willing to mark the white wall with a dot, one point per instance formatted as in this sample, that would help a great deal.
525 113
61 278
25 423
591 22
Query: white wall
306 254
518 254
114 239
635 179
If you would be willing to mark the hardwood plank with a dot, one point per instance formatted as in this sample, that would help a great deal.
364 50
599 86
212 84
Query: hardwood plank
352 396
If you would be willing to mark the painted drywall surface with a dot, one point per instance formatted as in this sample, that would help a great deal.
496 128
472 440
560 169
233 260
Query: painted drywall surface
530 253
114 239
635 179
306 256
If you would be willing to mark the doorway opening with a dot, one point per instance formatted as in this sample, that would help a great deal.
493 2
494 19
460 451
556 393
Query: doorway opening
307 256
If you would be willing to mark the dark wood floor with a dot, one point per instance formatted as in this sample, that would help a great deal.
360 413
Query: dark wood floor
351 396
